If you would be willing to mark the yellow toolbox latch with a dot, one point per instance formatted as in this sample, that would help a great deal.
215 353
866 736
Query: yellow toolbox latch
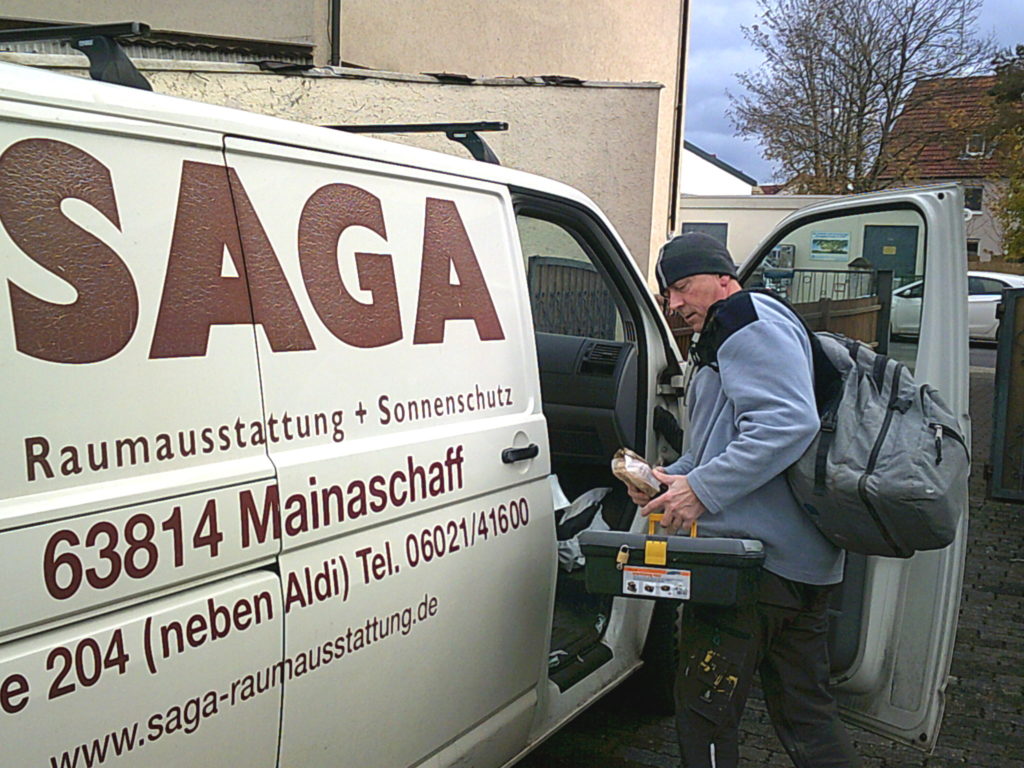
656 552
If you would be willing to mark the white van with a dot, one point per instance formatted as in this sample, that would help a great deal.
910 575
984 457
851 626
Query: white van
280 407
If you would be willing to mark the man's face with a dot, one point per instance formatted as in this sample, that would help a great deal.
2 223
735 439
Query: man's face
692 296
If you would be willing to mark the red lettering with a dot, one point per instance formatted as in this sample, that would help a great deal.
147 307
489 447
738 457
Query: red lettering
330 211
195 630
446 245
196 295
37 449
36 176
13 694
255 526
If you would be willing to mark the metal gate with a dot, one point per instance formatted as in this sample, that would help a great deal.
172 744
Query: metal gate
1008 402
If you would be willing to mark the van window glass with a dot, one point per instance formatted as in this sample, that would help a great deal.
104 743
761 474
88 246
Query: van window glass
836 273
568 294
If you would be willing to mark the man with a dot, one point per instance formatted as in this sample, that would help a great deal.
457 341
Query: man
752 414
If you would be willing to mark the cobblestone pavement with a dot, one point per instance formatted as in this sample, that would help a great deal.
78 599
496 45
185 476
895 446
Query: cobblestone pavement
984 721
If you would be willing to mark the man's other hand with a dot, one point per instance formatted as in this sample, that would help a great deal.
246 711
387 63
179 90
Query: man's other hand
678 505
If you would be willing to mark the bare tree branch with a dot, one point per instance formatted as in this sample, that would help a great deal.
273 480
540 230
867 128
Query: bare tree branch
837 76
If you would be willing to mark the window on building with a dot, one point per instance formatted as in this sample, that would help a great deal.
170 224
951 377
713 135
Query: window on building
972 198
718 231
972 249
975 145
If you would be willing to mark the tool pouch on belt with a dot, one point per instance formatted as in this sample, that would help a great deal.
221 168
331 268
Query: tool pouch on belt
717 661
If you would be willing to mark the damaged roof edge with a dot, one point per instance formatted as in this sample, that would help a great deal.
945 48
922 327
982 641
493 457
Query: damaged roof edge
61 61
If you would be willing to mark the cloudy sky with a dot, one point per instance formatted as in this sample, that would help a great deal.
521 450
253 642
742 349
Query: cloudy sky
718 51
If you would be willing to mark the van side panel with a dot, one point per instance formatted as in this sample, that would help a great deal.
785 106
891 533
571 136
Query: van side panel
127 451
94 421
164 683
417 566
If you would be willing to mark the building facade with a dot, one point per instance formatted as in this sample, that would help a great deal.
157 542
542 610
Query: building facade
941 136
561 70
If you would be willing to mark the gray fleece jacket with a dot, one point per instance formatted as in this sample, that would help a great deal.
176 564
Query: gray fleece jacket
749 420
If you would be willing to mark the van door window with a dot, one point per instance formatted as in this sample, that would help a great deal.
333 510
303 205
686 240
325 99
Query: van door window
568 294
861 275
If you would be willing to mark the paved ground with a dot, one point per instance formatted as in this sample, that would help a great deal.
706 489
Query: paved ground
984 721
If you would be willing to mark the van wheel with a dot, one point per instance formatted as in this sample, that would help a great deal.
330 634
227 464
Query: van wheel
654 682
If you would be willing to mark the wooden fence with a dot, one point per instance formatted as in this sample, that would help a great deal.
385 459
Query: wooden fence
858 318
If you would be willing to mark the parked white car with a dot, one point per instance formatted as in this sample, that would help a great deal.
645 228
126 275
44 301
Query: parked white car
984 292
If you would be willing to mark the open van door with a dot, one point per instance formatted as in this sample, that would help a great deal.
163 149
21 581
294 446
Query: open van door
894 621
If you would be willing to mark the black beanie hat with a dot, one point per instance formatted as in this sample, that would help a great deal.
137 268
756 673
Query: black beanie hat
693 253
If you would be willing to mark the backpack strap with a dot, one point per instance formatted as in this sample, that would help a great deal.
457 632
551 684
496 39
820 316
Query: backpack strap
827 380
827 389
724 318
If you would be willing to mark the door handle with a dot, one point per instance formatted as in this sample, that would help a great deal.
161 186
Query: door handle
512 455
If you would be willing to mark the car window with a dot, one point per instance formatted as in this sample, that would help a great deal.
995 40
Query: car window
984 286
911 291
568 294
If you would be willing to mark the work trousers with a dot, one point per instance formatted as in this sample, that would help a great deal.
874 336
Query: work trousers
784 636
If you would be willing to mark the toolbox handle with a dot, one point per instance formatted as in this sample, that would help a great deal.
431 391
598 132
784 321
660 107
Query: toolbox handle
654 519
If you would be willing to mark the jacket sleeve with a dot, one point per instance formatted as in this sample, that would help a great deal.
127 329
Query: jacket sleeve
766 375
682 465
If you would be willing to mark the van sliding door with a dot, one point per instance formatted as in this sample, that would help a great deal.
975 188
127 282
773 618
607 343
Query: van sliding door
412 499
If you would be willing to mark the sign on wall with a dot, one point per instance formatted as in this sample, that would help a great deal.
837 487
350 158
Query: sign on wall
830 246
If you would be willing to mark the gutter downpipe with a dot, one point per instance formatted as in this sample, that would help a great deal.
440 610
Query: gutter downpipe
678 115
335 33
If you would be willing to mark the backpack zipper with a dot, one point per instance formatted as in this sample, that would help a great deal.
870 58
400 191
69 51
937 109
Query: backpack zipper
943 431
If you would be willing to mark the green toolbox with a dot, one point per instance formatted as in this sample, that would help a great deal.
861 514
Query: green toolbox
710 571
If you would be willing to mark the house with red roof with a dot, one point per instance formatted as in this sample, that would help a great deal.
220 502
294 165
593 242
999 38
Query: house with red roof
942 136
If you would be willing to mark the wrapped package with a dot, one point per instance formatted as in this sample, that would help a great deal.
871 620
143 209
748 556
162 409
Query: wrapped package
634 471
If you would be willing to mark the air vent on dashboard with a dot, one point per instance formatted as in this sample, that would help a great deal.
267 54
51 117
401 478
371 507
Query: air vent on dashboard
600 358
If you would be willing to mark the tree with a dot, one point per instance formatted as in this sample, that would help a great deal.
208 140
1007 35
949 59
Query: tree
1008 131
838 73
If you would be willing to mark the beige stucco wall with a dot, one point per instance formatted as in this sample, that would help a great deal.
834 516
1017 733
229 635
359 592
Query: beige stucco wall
593 40
750 217
599 139
983 225
599 40
293 21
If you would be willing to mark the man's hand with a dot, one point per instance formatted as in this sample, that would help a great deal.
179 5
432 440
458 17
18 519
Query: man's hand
679 505
639 497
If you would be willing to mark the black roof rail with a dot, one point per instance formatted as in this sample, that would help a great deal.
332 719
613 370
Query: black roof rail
465 134
107 61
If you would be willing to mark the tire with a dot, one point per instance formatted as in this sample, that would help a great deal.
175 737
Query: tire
654 683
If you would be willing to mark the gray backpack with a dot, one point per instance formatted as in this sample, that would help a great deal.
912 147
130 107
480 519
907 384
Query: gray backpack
887 472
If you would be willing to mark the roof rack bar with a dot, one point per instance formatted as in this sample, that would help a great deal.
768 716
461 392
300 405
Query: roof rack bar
107 61
422 127
462 133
